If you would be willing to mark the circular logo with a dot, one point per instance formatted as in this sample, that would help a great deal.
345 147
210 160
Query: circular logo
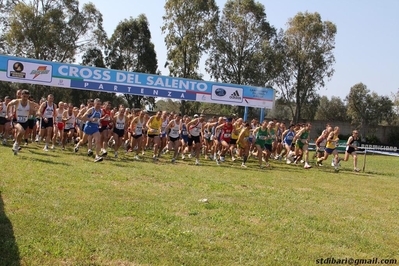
220 92
18 67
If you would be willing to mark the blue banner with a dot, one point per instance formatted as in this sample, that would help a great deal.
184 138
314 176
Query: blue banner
24 70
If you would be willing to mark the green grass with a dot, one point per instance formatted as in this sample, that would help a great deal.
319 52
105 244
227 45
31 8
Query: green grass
60 208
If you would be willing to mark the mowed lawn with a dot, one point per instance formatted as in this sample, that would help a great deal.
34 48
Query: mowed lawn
61 208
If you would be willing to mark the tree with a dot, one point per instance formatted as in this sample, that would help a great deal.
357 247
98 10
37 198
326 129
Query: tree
52 30
368 109
188 26
310 106
241 49
332 110
131 49
239 44
168 105
305 59
395 100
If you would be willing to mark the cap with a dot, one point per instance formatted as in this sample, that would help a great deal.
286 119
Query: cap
229 119
271 123
195 116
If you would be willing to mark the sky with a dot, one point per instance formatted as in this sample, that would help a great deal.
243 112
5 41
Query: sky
366 44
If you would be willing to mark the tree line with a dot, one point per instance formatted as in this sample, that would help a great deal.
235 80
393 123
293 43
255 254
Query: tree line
240 44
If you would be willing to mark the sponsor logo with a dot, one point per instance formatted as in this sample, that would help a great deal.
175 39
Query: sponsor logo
18 67
220 92
41 70
235 96
227 94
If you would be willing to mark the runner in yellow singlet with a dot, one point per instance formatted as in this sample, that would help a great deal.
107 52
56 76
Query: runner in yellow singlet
154 129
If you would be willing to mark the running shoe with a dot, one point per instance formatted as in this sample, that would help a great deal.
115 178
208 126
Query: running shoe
98 159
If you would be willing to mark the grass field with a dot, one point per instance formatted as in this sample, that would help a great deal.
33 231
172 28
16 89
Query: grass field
60 208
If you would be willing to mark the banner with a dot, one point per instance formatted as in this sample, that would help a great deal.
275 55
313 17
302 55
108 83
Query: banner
370 148
24 70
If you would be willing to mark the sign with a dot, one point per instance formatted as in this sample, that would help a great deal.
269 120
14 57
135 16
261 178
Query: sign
24 70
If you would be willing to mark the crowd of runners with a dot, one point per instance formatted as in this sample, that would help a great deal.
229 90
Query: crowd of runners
103 128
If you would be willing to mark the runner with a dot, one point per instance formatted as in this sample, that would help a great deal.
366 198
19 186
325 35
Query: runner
105 131
83 138
31 130
154 129
92 118
331 145
175 127
47 111
243 143
234 136
261 135
5 124
216 135
23 109
120 122
163 136
270 139
302 144
225 138
288 136
195 133
69 121
351 148
136 127
184 136
59 124
321 144
279 148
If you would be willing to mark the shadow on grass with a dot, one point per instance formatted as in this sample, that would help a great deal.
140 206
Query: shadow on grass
9 253
43 153
45 160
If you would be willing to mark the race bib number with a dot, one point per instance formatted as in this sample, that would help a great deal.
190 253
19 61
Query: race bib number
68 125
184 132
227 135
22 119
120 125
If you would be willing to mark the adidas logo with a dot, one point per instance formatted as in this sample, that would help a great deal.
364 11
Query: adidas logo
235 95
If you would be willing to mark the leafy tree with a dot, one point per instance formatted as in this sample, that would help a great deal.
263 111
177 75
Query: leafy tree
305 59
395 100
365 108
281 110
331 110
52 30
188 26
241 52
131 49
239 44
168 105
310 106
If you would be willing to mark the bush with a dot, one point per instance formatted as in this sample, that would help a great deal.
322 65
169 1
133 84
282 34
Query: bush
372 139
393 137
